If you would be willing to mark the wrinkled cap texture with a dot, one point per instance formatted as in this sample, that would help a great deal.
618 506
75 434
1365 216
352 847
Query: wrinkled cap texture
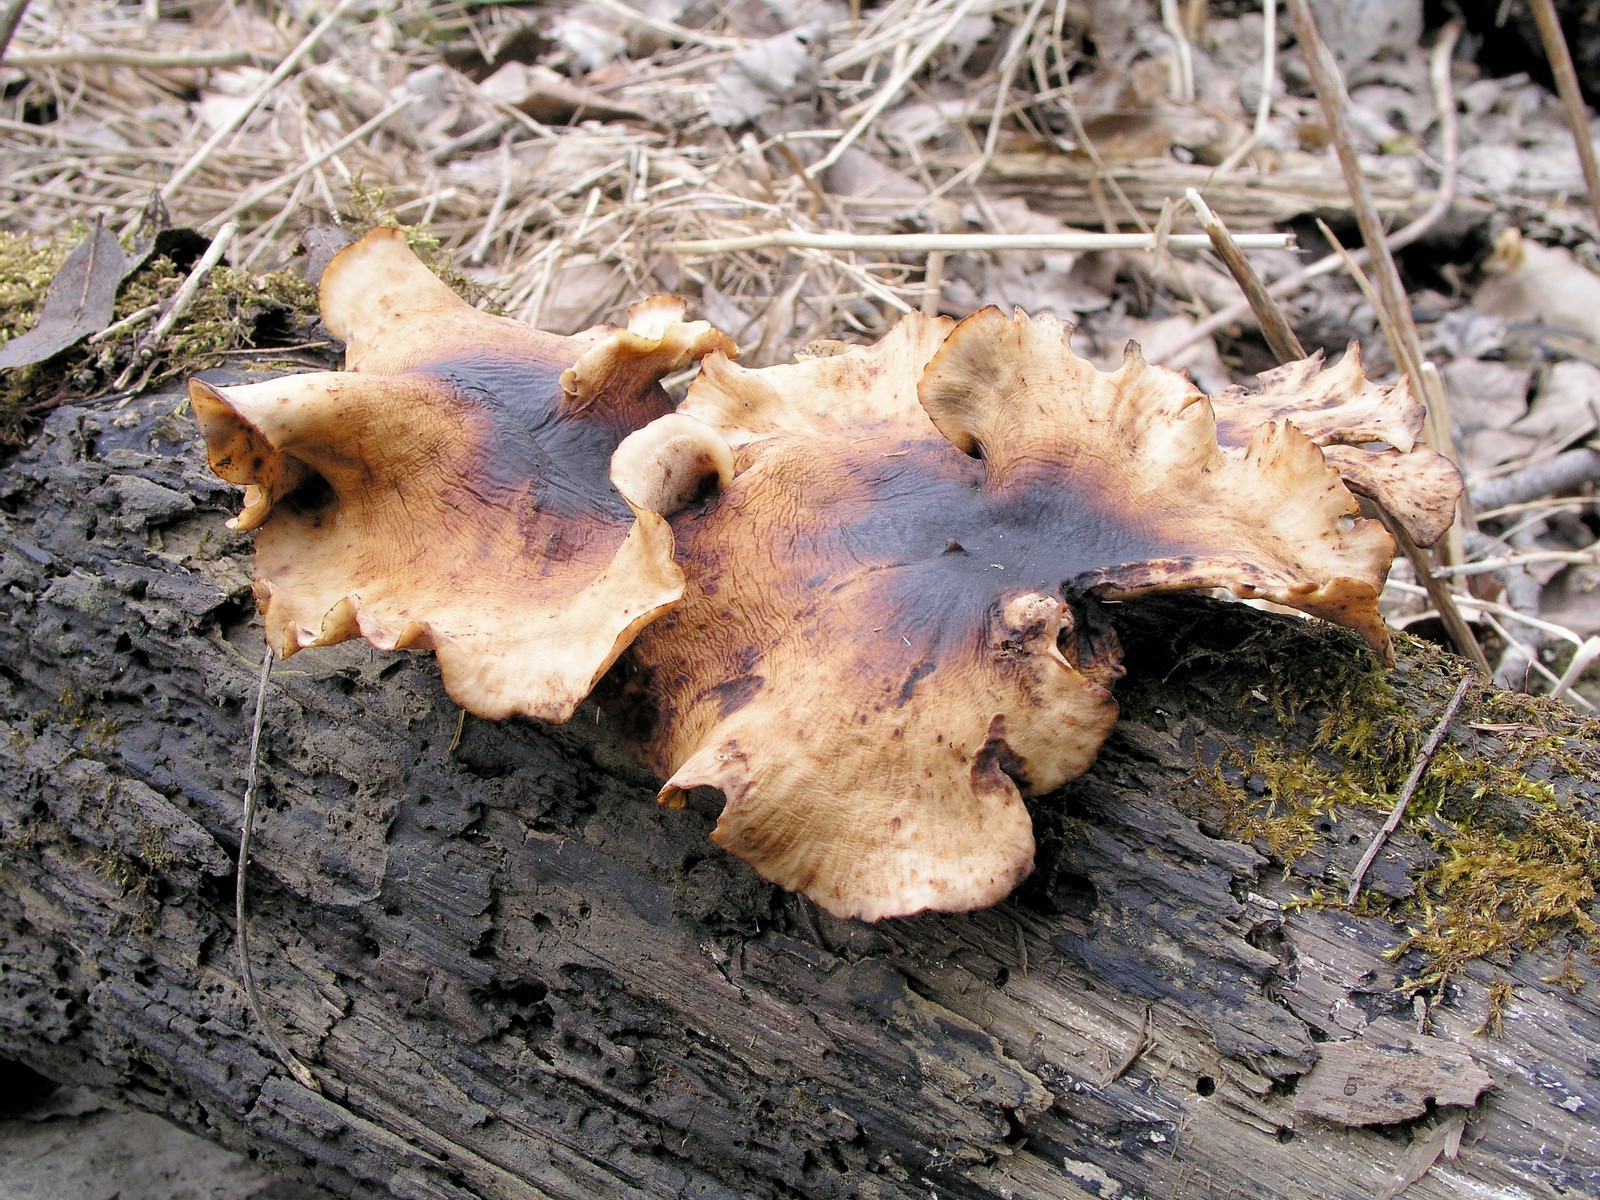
1367 433
450 490
890 634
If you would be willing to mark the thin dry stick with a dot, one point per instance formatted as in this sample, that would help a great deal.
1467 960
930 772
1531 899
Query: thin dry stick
1488 566
1437 405
286 1056
1069 105
1183 59
287 67
1409 788
10 18
962 243
1008 71
151 342
263 190
151 60
1443 198
497 210
1335 102
1567 470
1555 49
1269 66
1422 563
1286 346
1497 609
1440 595
1281 339
122 326
891 89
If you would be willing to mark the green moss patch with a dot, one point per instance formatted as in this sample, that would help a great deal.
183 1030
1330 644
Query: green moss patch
1505 809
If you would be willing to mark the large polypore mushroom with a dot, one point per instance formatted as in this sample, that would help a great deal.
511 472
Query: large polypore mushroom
449 490
873 620
889 633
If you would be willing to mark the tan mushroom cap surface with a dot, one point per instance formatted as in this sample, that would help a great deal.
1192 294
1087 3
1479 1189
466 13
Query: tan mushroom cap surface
889 633
447 491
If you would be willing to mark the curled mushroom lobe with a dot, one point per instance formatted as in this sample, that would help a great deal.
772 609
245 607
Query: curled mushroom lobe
890 633
449 489
859 594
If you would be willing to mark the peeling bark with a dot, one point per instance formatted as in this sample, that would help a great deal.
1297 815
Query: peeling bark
516 977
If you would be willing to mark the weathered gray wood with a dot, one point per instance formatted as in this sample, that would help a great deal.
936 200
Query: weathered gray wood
517 977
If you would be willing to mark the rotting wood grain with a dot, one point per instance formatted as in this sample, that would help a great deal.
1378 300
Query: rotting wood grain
517 977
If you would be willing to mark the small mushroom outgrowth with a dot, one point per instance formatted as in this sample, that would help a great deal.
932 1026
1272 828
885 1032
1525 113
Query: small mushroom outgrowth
1367 433
890 633
449 490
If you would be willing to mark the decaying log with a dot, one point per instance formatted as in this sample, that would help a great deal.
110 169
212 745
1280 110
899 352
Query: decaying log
514 976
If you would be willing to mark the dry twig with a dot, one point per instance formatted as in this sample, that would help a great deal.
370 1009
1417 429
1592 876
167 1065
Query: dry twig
1555 49
1408 789
1554 476
148 60
1281 339
1443 198
293 1065
185 297
1335 101
960 243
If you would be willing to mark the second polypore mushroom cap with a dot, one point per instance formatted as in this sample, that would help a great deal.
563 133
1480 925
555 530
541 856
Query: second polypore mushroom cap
888 635
449 489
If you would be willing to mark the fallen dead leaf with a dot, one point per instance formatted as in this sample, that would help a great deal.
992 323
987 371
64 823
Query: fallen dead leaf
80 301
1563 411
1541 284
547 96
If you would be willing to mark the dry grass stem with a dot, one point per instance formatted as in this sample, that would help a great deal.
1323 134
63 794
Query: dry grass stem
1269 66
891 90
962 243
148 60
1492 608
1488 566
1335 102
292 1064
1442 599
1444 196
1556 50
230 126
1281 339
